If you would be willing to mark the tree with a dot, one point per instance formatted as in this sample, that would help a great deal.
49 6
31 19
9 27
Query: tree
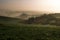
43 19
30 20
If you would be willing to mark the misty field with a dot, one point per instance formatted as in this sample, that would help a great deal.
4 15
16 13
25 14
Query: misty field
29 32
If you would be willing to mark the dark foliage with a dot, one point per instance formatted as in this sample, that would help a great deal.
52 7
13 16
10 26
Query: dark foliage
44 19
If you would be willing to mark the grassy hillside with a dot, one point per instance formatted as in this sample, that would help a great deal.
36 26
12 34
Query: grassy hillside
29 32
10 20
12 29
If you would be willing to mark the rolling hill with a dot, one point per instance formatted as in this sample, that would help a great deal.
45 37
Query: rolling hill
7 20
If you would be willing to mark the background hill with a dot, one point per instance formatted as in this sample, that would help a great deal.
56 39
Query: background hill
41 27
9 20
57 15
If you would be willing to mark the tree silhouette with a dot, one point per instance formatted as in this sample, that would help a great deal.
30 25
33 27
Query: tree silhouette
30 20
43 19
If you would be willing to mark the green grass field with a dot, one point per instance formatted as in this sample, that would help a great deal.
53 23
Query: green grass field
29 32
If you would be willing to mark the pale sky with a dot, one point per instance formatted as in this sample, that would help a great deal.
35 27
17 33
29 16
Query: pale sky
31 5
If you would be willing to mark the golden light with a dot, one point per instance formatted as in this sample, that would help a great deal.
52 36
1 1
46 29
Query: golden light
54 5
34 5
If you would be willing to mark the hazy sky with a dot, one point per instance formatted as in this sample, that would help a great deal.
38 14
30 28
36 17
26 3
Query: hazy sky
31 5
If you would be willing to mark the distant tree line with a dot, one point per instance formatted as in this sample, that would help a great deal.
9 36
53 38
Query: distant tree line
44 19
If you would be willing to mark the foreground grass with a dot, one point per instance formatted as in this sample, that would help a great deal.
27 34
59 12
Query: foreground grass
29 32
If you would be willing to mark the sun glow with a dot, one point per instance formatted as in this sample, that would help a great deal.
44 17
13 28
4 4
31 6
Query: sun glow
54 5
33 5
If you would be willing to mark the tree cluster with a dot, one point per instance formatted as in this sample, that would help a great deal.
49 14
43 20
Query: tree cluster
44 19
